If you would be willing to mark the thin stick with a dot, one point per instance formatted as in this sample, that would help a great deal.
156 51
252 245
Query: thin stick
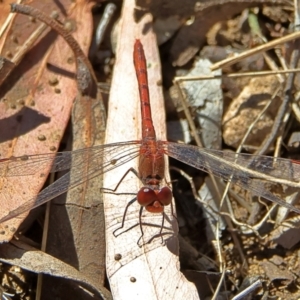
232 60
28 43
235 75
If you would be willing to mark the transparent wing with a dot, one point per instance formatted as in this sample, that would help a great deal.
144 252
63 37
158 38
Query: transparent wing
86 164
33 164
258 174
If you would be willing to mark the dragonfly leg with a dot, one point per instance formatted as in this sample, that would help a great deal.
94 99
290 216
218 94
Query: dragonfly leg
124 215
113 191
172 212
107 190
162 226
141 227
156 235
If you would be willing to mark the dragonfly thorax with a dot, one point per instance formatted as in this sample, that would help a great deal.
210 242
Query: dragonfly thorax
151 162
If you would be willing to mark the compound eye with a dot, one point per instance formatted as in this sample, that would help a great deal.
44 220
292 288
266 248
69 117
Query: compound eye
154 201
146 196
164 196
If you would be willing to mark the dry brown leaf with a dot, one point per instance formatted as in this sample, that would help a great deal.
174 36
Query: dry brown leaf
33 260
37 99
245 108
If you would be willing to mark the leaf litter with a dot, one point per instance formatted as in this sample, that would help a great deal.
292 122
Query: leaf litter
247 247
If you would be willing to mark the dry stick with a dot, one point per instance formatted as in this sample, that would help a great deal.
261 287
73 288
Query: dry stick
200 6
282 61
216 293
198 141
7 22
297 14
252 229
283 107
238 151
213 179
235 75
243 141
295 106
187 112
250 289
193 127
247 229
31 40
273 66
5 70
185 108
232 60
85 74
44 243
282 212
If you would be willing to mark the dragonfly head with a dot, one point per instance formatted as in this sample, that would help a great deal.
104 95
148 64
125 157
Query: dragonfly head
154 200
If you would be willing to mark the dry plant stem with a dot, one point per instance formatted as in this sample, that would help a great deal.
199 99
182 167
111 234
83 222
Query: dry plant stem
79 54
235 239
284 105
238 198
278 52
190 180
237 243
272 65
239 149
7 21
251 228
210 286
228 219
278 144
282 211
232 60
216 293
234 195
244 139
236 75
297 14
44 242
218 247
231 215
187 113
279 140
251 288
199 143
193 128
28 44
200 7
295 106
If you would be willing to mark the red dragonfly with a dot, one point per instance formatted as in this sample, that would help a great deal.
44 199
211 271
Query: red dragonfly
258 174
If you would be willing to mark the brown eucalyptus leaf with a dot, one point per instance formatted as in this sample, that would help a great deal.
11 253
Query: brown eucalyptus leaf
36 98
31 259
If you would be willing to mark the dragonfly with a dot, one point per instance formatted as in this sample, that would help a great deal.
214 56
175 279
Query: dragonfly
258 174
